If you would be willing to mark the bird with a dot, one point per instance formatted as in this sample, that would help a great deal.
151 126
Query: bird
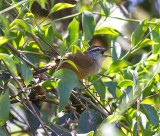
88 63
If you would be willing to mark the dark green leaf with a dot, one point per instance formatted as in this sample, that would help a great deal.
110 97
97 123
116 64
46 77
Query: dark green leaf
111 88
118 65
2 132
60 6
32 120
67 81
60 131
151 114
73 32
89 121
99 86
27 74
55 32
4 108
138 34
8 60
107 30
89 24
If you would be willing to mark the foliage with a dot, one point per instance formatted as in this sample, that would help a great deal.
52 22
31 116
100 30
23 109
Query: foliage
126 103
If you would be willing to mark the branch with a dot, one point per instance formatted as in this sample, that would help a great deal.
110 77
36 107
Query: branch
91 103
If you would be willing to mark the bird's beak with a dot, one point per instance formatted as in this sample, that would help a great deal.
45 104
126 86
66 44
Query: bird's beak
105 49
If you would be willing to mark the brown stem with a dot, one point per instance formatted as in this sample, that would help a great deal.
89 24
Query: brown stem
138 114
49 45
87 90
93 104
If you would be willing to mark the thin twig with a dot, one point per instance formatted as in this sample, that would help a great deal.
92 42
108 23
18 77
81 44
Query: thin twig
50 101
138 114
87 90
81 103
91 103
49 45
151 95
4 127
35 53
39 44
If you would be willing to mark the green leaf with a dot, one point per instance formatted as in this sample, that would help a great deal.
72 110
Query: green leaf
146 42
155 36
27 74
42 3
116 50
107 30
4 108
60 6
5 22
59 131
32 120
3 40
75 48
2 132
73 32
138 34
89 121
89 24
105 8
22 24
111 88
151 114
8 60
118 65
71 63
55 32
19 40
67 81
99 86
125 83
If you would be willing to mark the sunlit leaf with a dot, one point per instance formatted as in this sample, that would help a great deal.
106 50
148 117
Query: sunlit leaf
118 65
9 61
138 33
60 6
155 35
73 32
107 30
22 24
71 63
4 108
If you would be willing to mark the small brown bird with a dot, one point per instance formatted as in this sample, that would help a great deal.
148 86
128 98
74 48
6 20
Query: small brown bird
87 63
